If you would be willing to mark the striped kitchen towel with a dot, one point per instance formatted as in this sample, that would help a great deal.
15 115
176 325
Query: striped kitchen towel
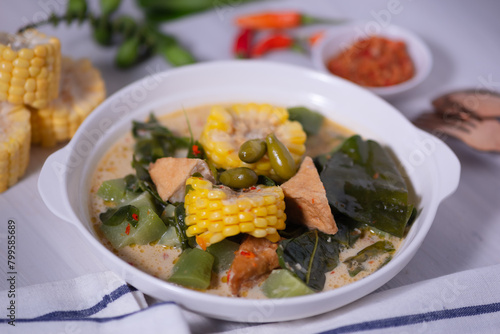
463 302
95 303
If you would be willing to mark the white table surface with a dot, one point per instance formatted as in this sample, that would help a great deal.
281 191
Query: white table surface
463 37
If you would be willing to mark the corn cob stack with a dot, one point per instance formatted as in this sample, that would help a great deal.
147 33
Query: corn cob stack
37 102
15 136
227 128
82 89
30 66
214 213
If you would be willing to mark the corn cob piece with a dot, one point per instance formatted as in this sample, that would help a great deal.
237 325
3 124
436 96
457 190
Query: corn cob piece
82 89
30 66
227 129
14 143
216 212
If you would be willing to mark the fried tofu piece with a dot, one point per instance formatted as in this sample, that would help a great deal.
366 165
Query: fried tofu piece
306 201
170 175
255 258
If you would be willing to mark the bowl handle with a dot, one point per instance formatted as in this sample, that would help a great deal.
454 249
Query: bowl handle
447 164
52 184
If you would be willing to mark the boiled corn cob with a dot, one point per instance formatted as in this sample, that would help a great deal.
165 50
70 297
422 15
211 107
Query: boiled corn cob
227 129
14 143
30 66
82 89
214 213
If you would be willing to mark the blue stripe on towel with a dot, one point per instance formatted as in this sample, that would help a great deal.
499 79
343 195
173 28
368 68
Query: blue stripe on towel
99 320
81 314
413 319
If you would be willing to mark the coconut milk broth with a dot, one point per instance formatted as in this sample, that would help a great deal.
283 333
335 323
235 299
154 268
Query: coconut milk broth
158 260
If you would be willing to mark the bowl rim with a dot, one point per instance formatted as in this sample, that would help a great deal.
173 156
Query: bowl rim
382 275
354 31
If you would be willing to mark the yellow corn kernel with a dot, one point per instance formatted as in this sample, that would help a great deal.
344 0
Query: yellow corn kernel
14 144
26 54
260 211
260 222
245 216
230 220
29 63
229 231
236 212
216 194
247 227
56 120
215 216
21 63
275 237
258 233
230 209
9 55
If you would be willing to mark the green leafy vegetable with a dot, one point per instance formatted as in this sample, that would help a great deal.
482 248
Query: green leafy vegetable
311 120
223 252
356 263
181 227
363 182
154 141
117 191
310 256
116 216
144 227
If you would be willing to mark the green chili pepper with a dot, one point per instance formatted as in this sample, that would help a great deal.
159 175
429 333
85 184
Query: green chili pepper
127 53
176 55
109 6
252 150
76 9
280 158
102 31
125 25
240 177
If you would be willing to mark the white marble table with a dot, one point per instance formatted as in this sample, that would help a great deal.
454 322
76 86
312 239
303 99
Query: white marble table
463 37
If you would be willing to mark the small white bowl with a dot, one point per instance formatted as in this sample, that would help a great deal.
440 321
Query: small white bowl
339 38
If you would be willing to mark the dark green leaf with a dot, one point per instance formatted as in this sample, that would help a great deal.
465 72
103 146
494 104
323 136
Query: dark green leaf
154 141
181 227
311 120
266 181
356 263
310 256
363 182
116 216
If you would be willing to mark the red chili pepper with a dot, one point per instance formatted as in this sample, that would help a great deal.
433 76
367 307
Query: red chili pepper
279 20
243 43
247 254
196 150
135 216
275 41
127 229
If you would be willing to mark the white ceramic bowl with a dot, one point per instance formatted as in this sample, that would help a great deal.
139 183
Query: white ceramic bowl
341 37
431 166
